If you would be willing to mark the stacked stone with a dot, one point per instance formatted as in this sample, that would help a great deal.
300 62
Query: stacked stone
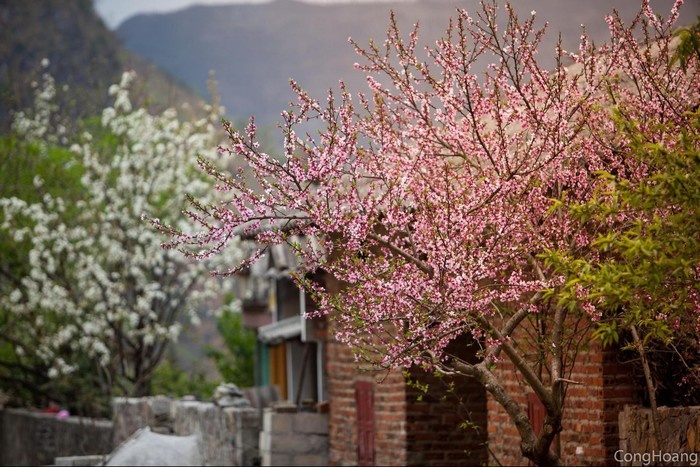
293 438
225 435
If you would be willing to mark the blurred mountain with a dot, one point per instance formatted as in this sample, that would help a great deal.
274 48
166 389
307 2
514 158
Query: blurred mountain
256 48
82 53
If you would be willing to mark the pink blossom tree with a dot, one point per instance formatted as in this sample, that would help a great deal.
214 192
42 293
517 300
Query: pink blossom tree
431 194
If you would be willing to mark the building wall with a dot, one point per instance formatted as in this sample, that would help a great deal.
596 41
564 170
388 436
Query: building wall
390 419
389 404
411 431
411 427
503 438
446 425
582 440
619 390
294 438
590 426
389 408
342 434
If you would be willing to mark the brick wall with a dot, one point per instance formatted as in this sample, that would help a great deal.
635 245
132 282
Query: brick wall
411 427
407 430
582 441
619 390
388 405
503 437
389 410
434 434
590 426
410 431
390 419
342 433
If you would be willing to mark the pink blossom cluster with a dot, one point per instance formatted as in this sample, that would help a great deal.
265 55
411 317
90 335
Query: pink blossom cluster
431 195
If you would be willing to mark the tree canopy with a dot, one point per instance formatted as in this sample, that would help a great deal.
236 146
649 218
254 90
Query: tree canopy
89 300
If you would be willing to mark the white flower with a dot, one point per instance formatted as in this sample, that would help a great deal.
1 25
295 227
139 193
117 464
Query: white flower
195 320
149 339
15 296
106 248
108 115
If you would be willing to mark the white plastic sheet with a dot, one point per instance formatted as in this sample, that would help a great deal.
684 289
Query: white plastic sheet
147 448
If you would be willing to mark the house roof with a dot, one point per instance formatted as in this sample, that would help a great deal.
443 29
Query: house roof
280 331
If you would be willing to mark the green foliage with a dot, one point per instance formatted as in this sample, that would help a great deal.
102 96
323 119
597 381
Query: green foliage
689 44
235 362
645 272
607 333
172 381
413 382
21 162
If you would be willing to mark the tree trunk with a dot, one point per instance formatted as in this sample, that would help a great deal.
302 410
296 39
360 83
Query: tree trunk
650 384
535 448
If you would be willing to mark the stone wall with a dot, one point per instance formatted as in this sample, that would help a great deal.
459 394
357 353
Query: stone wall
679 437
226 436
33 438
294 438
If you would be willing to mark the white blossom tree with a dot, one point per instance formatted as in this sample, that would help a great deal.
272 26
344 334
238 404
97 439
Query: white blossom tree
96 294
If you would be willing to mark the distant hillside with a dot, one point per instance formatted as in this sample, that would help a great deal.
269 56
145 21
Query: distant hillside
82 52
256 48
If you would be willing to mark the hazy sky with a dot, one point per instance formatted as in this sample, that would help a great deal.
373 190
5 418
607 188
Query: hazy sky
113 12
